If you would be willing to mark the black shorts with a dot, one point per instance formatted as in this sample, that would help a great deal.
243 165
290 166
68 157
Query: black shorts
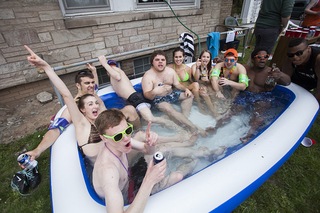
137 100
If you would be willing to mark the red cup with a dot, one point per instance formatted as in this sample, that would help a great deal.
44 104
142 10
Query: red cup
307 142
317 33
297 33
288 33
299 28
313 27
304 34
291 33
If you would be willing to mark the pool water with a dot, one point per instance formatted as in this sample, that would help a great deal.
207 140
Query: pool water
228 135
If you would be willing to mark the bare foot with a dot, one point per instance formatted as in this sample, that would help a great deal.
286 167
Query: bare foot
218 151
215 153
246 139
202 132
192 141
211 130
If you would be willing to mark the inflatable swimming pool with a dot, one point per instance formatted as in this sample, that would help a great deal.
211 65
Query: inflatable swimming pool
220 187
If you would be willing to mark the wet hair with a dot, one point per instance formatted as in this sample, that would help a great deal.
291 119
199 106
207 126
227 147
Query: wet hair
297 41
108 119
81 74
155 53
258 49
209 65
80 101
178 49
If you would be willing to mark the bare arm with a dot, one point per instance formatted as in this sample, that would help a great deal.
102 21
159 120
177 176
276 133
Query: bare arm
195 70
281 78
112 72
236 85
151 92
284 23
94 73
308 10
35 60
214 82
287 67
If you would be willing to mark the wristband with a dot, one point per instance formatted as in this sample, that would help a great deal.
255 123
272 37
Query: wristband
59 123
215 72
243 78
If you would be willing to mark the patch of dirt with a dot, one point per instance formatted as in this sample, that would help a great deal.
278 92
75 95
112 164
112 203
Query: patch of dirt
25 117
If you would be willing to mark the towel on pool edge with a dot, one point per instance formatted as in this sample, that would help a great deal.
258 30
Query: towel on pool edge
187 46
213 43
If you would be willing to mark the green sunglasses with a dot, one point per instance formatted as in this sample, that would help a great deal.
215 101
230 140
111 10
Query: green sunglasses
118 137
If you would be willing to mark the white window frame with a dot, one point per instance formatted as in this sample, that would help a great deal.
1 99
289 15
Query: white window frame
83 10
129 6
145 66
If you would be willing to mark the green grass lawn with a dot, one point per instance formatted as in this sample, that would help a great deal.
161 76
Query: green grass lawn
293 188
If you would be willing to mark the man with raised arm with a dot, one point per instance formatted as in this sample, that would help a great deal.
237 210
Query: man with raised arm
123 87
157 86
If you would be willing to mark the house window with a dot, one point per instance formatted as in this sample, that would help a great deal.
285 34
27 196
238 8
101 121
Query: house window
103 78
171 2
70 7
141 65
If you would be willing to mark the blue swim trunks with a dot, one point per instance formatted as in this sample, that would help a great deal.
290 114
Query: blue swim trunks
247 99
171 98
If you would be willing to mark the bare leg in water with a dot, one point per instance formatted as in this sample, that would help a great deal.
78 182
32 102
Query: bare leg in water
235 109
179 117
257 119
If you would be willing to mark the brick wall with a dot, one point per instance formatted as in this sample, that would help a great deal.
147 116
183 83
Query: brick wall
41 26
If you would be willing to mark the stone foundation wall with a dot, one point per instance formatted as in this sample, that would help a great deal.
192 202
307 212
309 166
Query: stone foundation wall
41 25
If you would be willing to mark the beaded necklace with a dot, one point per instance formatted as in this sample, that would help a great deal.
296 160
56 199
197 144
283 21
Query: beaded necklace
231 71
119 159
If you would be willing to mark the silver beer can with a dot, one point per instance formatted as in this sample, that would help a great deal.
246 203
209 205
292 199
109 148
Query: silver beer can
157 157
24 160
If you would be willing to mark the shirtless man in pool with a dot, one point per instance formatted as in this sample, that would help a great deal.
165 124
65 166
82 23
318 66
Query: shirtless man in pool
256 96
111 169
157 86
123 88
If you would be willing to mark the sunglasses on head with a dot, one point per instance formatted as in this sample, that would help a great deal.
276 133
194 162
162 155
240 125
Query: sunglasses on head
228 59
298 53
261 56
83 72
118 137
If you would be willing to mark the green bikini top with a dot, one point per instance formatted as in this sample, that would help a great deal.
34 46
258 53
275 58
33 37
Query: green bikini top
186 78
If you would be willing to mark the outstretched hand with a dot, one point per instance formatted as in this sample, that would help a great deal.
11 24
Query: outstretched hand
35 60
151 137
91 67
